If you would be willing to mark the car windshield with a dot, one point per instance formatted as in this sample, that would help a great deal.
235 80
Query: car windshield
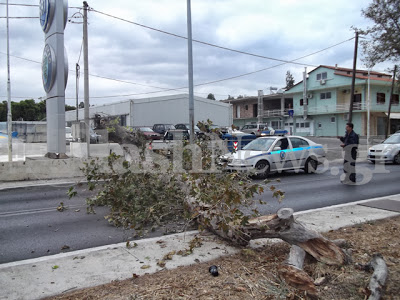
394 139
170 127
145 129
259 144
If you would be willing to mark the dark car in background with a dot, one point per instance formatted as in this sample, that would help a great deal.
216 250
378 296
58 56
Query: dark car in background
176 135
163 128
185 126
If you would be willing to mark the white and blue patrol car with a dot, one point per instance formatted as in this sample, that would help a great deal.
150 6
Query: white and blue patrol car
275 153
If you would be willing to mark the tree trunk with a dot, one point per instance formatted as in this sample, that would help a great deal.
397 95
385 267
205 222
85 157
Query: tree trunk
281 225
378 279
293 272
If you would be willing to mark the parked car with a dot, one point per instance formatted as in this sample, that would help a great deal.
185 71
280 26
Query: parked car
68 135
162 128
387 151
184 126
271 131
176 135
275 153
254 128
94 137
149 134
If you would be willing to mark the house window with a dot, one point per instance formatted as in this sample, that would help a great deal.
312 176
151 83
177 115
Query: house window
333 119
275 124
302 102
307 124
319 125
255 110
326 95
323 75
122 120
395 99
380 98
246 107
237 111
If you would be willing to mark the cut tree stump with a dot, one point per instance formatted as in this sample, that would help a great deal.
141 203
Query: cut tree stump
280 225
292 272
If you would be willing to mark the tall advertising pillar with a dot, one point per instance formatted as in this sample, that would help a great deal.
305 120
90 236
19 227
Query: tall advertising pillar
53 19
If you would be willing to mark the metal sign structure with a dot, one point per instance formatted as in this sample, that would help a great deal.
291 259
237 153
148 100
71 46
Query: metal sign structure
53 19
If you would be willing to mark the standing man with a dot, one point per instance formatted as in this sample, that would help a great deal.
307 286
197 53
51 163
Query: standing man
350 146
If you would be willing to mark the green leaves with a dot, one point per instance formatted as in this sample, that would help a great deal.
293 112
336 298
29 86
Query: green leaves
142 198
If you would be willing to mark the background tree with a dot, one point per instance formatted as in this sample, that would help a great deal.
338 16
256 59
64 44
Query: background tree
211 96
384 37
289 80
26 110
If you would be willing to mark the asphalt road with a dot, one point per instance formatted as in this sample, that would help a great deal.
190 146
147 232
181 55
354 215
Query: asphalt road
31 226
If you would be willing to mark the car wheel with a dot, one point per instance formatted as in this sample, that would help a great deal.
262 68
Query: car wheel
311 165
372 161
396 159
262 169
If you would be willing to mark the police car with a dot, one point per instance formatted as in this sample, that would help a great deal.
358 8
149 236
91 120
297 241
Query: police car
275 153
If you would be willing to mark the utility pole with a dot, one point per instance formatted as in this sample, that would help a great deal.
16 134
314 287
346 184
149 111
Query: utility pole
190 72
390 102
353 79
260 109
77 90
9 115
86 78
305 99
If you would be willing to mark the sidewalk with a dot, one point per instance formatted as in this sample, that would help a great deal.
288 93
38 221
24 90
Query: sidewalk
52 275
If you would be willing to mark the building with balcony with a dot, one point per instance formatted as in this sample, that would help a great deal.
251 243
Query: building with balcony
325 109
274 109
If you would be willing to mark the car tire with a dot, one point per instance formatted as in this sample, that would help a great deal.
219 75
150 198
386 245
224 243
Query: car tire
396 159
311 165
372 162
262 169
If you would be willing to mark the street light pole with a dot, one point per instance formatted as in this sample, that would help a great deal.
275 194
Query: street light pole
9 115
353 79
190 72
86 78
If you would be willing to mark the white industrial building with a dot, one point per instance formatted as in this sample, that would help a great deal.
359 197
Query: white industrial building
167 109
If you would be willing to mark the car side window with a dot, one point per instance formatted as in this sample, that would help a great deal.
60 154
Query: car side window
283 143
298 142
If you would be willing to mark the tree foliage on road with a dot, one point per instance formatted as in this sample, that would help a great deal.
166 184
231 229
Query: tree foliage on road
383 43
146 190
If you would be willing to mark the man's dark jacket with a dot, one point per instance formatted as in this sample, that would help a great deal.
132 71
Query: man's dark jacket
350 139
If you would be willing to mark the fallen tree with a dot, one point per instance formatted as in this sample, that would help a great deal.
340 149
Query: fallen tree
141 193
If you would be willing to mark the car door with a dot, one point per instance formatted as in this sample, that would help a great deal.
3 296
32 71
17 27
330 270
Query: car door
300 153
281 159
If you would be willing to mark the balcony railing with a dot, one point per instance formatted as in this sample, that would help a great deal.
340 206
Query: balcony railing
275 113
338 108
320 109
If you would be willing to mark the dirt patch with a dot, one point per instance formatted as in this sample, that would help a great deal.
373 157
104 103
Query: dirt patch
252 274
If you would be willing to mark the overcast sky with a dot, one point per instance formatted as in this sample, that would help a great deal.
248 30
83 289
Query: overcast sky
151 62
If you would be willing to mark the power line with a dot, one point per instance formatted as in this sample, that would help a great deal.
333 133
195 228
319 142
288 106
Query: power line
197 85
197 41
19 17
30 5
